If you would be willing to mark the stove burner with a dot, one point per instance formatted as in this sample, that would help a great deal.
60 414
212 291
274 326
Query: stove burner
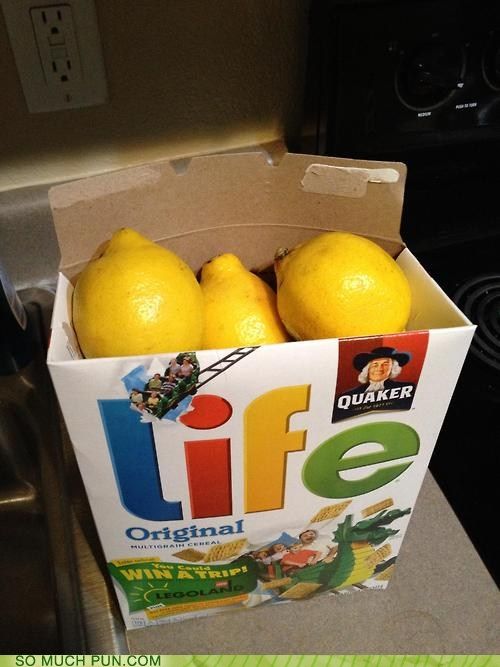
429 74
479 299
491 61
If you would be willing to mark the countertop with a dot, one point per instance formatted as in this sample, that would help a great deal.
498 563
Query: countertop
441 600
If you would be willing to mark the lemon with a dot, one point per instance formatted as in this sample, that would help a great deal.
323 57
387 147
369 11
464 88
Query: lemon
240 308
137 298
339 284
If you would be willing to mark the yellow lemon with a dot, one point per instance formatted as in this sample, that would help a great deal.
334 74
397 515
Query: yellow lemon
240 308
339 284
137 298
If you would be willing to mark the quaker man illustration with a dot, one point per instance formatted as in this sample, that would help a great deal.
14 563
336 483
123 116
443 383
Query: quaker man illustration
378 389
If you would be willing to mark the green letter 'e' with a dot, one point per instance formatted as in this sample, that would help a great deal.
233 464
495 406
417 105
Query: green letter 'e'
320 473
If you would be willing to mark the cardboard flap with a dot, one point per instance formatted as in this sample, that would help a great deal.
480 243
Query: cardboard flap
219 198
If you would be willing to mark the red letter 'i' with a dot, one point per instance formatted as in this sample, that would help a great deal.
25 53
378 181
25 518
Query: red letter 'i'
208 466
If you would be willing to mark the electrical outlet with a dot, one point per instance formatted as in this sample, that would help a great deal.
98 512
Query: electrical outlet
58 53
55 37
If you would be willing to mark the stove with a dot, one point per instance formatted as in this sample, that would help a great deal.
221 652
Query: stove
419 82
392 76
466 460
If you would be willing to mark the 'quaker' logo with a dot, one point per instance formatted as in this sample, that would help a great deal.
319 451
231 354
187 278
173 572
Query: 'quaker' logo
376 374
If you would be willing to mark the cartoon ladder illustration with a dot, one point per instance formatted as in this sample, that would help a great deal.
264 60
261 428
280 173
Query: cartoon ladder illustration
224 364
192 384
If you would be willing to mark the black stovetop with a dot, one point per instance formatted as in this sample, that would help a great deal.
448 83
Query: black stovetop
463 256
418 82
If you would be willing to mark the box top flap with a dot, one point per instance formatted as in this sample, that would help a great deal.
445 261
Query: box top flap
234 192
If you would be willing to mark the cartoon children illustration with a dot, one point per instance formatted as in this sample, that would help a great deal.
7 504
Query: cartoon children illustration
186 368
164 392
276 553
173 367
153 400
136 397
311 539
155 382
263 556
298 556
278 550
169 383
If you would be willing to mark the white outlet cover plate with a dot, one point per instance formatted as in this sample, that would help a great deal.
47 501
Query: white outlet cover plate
43 93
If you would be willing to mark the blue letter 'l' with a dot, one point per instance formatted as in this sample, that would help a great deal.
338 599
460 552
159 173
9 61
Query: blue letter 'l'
132 448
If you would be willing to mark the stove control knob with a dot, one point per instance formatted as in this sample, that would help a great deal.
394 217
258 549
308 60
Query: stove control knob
429 74
491 62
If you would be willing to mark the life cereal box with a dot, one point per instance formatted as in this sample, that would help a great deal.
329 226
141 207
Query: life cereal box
228 479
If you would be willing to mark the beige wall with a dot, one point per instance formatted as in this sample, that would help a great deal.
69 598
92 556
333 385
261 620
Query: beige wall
184 77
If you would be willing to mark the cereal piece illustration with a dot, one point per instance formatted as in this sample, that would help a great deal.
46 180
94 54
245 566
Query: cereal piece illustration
191 555
386 574
224 551
377 507
330 512
277 583
300 591
379 555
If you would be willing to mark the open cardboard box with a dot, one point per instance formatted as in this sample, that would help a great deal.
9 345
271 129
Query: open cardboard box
274 476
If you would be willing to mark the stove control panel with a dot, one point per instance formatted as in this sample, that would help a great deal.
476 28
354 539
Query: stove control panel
390 76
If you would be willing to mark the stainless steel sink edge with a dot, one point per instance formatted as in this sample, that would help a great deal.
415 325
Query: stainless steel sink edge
29 248
61 600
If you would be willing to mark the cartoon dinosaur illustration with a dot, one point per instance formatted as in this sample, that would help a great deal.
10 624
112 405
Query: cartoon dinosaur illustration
355 561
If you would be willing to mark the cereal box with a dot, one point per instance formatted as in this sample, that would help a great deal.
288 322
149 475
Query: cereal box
264 475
